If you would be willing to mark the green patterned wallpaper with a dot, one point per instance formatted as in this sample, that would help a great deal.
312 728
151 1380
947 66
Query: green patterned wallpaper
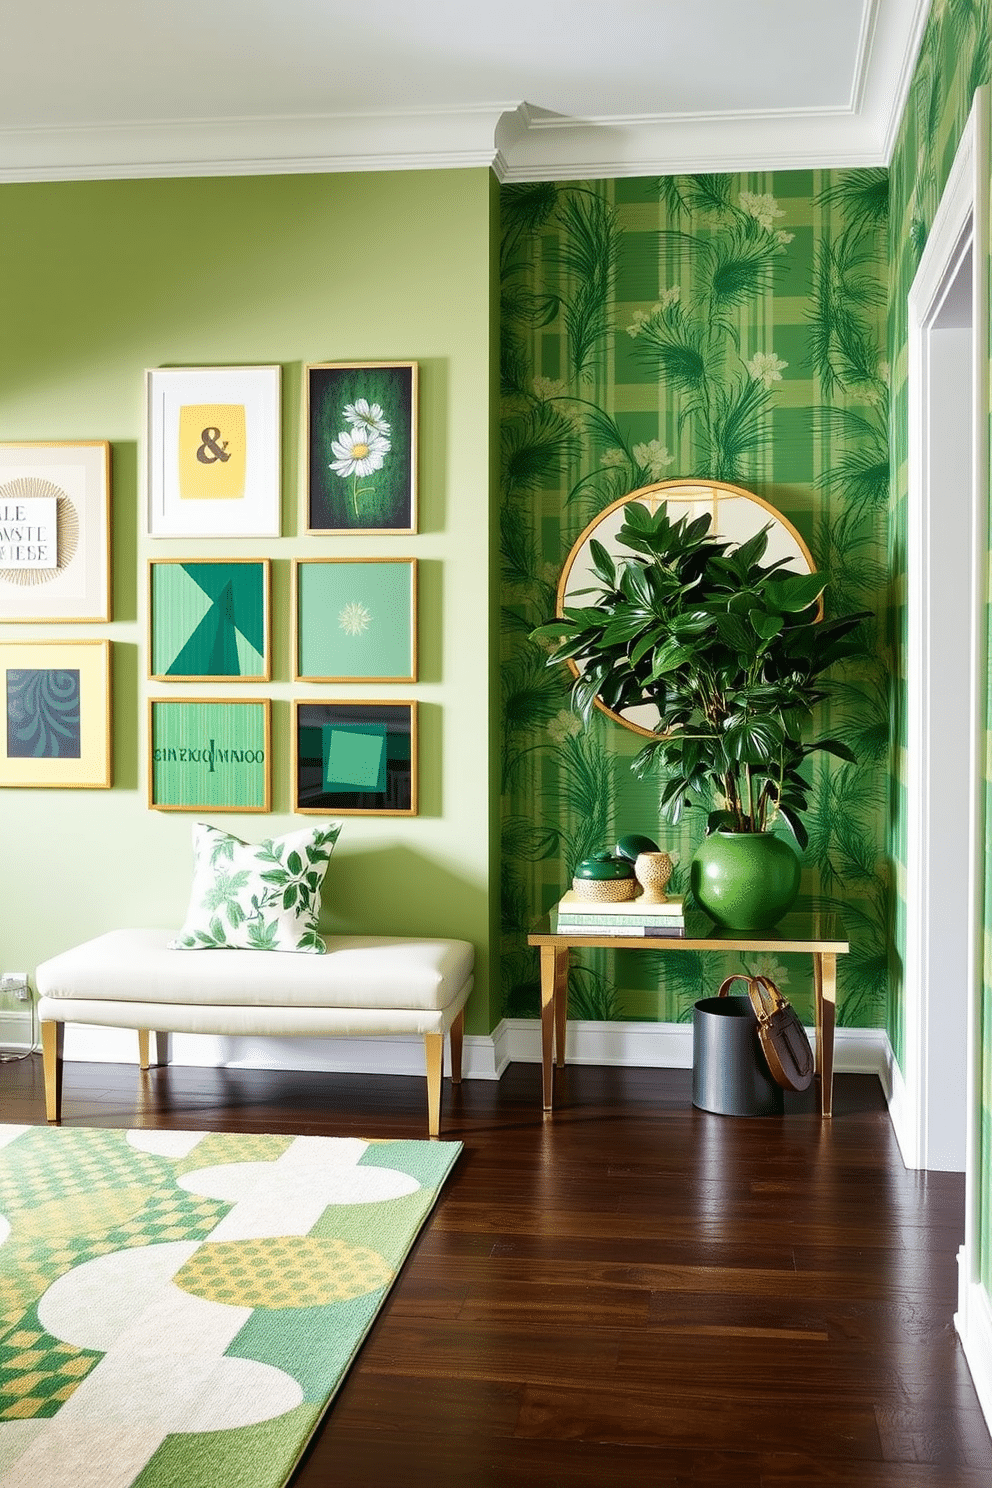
728 327
953 62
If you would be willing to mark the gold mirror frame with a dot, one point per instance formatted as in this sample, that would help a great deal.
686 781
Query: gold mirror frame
737 515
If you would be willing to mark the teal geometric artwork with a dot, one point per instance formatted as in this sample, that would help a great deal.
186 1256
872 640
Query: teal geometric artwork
355 757
209 619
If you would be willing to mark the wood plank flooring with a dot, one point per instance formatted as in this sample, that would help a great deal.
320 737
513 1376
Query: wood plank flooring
627 1292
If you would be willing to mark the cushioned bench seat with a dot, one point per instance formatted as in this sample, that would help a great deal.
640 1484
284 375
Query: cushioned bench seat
364 985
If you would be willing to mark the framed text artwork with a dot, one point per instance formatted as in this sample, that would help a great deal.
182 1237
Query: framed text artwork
55 532
56 714
213 451
361 444
356 620
209 620
356 758
209 754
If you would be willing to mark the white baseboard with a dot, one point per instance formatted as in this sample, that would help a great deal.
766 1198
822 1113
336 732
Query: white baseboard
905 1129
669 1046
388 1054
485 1057
973 1320
17 1031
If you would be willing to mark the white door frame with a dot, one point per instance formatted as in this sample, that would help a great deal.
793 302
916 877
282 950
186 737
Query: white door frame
937 838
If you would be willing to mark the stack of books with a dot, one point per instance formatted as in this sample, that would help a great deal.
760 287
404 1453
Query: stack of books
631 917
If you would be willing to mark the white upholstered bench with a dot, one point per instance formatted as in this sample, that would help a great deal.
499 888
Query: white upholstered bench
363 985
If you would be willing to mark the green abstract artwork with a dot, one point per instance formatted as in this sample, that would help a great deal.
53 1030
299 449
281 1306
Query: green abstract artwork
209 755
357 759
356 621
209 620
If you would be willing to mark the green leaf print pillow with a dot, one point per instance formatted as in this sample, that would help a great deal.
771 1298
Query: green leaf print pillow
256 897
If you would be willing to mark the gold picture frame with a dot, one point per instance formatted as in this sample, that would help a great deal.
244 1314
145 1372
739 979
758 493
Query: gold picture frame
55 532
209 754
211 611
56 715
355 757
355 620
360 431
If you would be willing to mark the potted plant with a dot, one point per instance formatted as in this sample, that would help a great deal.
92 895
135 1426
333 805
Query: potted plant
732 652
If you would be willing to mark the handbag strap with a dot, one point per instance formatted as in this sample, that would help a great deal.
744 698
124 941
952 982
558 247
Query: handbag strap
765 997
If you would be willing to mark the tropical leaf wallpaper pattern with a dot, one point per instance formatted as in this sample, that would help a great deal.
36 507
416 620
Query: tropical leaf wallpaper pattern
727 327
954 60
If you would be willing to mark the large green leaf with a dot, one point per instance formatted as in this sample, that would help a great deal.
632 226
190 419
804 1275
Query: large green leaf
753 739
795 592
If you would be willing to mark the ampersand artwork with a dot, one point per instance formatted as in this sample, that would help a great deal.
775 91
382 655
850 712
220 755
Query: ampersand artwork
210 450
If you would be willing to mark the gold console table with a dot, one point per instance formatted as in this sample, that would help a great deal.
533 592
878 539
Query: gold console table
801 932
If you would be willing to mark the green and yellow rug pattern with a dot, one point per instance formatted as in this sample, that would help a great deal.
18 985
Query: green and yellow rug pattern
180 1307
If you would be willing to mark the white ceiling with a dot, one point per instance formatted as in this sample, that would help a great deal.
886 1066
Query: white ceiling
546 89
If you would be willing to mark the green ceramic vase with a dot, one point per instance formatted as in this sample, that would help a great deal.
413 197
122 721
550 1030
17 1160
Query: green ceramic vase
745 880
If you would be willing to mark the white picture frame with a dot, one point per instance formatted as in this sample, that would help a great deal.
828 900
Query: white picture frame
55 532
213 463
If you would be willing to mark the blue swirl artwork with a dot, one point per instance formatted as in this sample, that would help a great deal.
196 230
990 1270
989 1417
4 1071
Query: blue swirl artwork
43 713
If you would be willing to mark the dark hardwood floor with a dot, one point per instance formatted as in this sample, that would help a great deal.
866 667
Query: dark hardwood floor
628 1292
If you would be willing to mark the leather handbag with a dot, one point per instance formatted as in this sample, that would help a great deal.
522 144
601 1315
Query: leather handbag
783 1037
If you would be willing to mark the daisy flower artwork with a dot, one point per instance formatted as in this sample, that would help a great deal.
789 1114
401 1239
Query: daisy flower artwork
361 421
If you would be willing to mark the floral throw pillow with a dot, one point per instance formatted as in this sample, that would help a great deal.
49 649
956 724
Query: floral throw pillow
256 897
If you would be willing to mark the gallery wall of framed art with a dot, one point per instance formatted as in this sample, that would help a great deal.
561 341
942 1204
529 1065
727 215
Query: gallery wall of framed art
216 274
213 472
211 437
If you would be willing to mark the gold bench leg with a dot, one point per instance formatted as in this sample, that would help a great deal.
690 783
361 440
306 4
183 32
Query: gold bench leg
52 1035
434 1055
153 1048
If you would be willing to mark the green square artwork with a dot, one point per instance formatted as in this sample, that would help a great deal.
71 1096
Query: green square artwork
210 755
208 619
356 620
356 758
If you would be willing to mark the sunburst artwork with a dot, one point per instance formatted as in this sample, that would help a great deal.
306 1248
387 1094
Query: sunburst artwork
356 620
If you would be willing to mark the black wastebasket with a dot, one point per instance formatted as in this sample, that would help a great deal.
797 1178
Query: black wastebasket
730 1074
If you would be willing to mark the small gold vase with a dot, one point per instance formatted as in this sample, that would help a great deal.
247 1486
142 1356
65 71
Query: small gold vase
652 871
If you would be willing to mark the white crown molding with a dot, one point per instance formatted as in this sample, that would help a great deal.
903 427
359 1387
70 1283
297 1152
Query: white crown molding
289 145
516 140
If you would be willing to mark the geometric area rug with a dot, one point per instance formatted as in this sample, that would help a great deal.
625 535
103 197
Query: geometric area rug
179 1308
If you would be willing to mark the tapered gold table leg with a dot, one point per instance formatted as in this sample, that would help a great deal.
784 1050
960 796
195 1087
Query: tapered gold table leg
561 1009
554 979
825 987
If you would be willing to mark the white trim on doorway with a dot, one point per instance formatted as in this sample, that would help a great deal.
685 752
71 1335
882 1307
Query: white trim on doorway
946 582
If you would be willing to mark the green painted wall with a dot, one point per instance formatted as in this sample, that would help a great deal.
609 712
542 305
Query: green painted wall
954 60
727 327
100 280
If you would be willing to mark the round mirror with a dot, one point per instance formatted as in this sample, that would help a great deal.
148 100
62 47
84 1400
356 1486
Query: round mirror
737 515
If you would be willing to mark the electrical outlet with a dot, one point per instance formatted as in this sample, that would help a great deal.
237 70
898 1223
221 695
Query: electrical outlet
15 983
